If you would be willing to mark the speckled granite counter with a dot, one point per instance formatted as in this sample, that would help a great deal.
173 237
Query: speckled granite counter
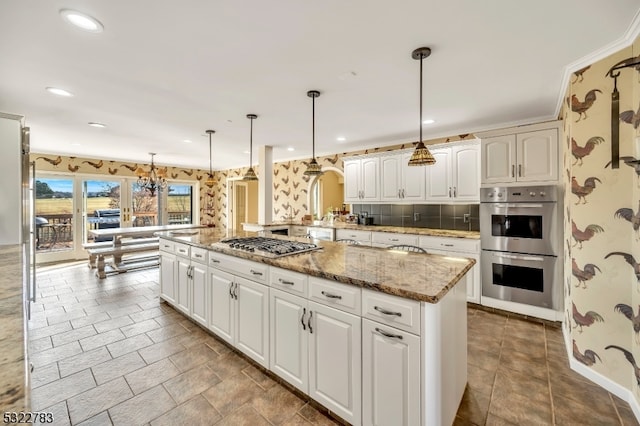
379 228
14 392
414 276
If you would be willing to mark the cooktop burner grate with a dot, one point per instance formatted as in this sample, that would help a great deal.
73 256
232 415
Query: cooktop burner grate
270 247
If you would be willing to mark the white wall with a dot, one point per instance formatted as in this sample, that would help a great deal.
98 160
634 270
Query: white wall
10 181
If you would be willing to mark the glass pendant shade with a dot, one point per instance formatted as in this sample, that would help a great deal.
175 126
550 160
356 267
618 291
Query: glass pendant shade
313 168
250 175
421 156
210 180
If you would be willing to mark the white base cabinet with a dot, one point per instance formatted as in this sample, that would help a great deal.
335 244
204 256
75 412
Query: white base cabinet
168 273
390 375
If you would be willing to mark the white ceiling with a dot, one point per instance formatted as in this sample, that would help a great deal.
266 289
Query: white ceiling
162 72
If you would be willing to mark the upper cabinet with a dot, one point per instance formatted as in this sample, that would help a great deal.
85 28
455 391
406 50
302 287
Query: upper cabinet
361 182
456 175
525 154
399 181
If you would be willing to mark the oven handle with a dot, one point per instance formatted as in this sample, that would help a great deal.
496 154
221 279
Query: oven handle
516 257
519 205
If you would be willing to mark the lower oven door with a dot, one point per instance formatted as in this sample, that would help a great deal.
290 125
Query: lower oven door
522 278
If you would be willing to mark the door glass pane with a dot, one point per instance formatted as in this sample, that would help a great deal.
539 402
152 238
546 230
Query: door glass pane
54 214
516 226
101 206
144 207
180 203
518 277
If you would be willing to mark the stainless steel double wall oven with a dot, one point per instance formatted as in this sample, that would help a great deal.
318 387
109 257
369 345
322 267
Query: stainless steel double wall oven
520 235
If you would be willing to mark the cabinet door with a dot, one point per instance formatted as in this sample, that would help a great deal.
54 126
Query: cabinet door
413 179
252 320
537 156
352 181
390 375
466 173
222 316
473 281
289 338
498 159
370 174
390 184
335 361
439 186
168 277
182 286
199 294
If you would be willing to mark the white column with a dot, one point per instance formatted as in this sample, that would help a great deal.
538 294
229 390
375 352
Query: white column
265 185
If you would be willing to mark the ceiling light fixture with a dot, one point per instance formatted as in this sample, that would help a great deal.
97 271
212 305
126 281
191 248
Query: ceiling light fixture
152 180
421 156
428 121
291 148
313 169
341 139
251 174
186 140
210 180
59 92
82 21
99 125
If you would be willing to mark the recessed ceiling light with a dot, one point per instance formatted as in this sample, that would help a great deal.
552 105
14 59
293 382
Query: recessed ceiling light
245 152
341 139
94 124
59 92
290 149
428 121
82 21
186 141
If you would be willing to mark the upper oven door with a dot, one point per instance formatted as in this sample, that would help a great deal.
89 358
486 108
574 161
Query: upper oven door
519 227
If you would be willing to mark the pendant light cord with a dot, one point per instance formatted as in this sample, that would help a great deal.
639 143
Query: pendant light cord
421 59
251 145
313 127
210 172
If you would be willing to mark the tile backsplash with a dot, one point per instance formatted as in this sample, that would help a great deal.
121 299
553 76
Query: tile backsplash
459 217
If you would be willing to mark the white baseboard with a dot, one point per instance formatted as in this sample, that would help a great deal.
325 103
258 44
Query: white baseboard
600 380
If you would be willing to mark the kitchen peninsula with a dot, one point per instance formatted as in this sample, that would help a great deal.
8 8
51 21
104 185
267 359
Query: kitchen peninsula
375 336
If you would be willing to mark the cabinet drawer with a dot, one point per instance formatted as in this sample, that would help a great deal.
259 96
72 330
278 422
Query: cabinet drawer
392 239
341 296
350 234
167 246
244 268
182 249
298 231
462 245
199 254
391 310
289 281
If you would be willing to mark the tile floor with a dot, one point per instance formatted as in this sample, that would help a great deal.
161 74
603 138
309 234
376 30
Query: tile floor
107 352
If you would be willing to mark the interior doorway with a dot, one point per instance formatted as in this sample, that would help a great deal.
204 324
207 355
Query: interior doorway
243 202
326 192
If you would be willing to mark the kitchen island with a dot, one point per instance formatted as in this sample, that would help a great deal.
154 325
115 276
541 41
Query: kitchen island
375 336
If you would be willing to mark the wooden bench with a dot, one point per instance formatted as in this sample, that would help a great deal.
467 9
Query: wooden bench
105 244
118 251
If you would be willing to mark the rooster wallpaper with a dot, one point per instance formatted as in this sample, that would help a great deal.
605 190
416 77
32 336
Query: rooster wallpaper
602 221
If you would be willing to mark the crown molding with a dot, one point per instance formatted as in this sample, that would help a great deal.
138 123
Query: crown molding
626 40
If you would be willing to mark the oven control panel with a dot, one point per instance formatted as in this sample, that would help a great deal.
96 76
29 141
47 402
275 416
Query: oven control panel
519 194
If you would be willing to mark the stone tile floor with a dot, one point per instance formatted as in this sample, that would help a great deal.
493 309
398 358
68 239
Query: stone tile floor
107 352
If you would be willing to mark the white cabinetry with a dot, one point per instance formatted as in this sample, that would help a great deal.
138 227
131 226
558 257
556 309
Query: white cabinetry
386 239
190 285
168 271
520 156
455 177
183 266
240 306
361 237
361 180
399 181
458 247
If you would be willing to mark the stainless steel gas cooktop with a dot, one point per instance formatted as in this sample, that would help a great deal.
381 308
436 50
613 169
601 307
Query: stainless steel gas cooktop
268 247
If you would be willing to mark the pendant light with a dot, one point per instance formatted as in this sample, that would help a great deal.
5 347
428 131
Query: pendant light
210 180
251 174
421 156
313 169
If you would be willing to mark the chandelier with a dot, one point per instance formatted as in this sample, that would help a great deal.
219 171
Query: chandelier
153 179
210 180
421 156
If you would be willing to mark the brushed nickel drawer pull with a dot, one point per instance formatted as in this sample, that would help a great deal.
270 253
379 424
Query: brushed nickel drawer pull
385 334
255 272
331 295
304 312
285 281
309 322
385 312
214 261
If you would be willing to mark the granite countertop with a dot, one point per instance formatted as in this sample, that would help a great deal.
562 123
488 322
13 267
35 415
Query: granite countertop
423 277
14 394
432 232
